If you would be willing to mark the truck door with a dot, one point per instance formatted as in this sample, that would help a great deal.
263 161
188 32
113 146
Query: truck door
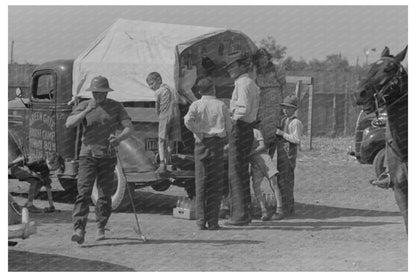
43 117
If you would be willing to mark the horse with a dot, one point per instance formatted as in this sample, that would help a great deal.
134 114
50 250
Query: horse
386 84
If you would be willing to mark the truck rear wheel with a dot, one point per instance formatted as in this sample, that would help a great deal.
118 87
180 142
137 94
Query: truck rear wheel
378 162
120 197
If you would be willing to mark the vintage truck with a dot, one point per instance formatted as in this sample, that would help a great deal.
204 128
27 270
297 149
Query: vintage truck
125 53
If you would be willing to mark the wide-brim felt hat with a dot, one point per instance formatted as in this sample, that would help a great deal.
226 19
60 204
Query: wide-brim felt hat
99 84
234 59
290 101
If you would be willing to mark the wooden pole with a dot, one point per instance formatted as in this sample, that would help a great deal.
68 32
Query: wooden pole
11 52
298 91
310 114
346 109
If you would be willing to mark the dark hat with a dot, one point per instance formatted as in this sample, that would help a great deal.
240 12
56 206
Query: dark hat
236 58
204 85
99 84
290 101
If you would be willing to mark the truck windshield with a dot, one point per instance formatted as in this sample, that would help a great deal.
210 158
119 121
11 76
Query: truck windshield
44 87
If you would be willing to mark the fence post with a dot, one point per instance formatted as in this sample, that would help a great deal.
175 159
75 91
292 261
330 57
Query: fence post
310 114
346 110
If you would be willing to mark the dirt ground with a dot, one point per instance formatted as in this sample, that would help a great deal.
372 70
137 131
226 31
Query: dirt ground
341 224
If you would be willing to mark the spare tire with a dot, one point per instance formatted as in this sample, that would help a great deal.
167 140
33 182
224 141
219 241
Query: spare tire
120 196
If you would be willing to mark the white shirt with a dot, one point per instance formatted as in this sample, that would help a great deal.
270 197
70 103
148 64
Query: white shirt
245 99
208 117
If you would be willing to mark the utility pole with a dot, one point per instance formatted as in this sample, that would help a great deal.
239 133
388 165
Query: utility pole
11 52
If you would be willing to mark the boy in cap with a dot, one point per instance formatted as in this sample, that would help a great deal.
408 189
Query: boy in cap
100 118
288 139
208 118
169 119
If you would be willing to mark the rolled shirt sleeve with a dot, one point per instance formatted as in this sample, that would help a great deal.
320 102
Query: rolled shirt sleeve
295 130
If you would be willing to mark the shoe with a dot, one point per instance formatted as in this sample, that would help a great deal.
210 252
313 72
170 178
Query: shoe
201 227
100 234
214 227
33 209
278 216
161 169
78 236
265 216
233 223
50 209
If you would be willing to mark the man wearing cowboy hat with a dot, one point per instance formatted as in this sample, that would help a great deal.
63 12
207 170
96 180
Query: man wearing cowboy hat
288 139
244 106
100 118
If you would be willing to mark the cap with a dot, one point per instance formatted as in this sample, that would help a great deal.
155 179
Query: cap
290 101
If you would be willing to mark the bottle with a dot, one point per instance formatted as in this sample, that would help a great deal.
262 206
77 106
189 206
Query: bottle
178 202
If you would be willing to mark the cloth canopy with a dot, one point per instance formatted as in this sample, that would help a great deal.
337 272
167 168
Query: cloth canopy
129 50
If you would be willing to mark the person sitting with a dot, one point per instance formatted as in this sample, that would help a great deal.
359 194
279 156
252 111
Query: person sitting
36 173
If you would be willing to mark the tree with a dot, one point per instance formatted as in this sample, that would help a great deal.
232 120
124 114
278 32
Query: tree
276 50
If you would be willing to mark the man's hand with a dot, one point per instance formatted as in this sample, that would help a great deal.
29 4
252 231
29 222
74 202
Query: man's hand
279 132
92 104
113 140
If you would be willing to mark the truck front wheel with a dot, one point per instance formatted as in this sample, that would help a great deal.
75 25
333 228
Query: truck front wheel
120 197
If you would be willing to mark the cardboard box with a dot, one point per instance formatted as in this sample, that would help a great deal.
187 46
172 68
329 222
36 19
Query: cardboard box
184 213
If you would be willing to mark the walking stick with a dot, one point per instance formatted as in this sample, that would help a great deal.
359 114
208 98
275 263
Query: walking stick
137 227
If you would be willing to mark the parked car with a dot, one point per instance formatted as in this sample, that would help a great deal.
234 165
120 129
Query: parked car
370 139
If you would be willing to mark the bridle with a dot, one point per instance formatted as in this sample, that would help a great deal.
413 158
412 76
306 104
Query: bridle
384 95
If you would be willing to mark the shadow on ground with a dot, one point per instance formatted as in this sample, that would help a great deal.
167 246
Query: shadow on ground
28 261
309 226
160 203
131 241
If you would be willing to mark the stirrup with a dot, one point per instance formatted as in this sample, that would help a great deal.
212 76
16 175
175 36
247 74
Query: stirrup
383 181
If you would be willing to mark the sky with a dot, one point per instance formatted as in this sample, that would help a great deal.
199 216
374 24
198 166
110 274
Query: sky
43 33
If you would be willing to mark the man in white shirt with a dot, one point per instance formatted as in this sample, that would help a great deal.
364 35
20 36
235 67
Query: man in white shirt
208 118
244 106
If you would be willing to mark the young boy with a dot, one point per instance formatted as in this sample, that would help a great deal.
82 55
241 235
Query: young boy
36 173
208 118
263 166
169 119
288 139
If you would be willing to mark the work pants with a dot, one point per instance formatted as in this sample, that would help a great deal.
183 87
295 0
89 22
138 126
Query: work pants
240 143
209 169
90 169
286 181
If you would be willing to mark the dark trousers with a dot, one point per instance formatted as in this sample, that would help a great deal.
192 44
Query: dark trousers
286 181
91 168
240 143
209 169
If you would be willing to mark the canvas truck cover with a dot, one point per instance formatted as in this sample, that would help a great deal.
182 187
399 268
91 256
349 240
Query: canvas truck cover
129 50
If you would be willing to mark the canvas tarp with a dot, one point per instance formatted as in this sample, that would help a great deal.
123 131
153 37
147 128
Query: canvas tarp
129 50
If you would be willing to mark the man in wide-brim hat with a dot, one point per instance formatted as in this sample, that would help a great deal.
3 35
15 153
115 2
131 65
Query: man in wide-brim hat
244 106
100 118
288 139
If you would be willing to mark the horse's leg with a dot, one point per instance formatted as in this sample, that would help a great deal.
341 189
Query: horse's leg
400 193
